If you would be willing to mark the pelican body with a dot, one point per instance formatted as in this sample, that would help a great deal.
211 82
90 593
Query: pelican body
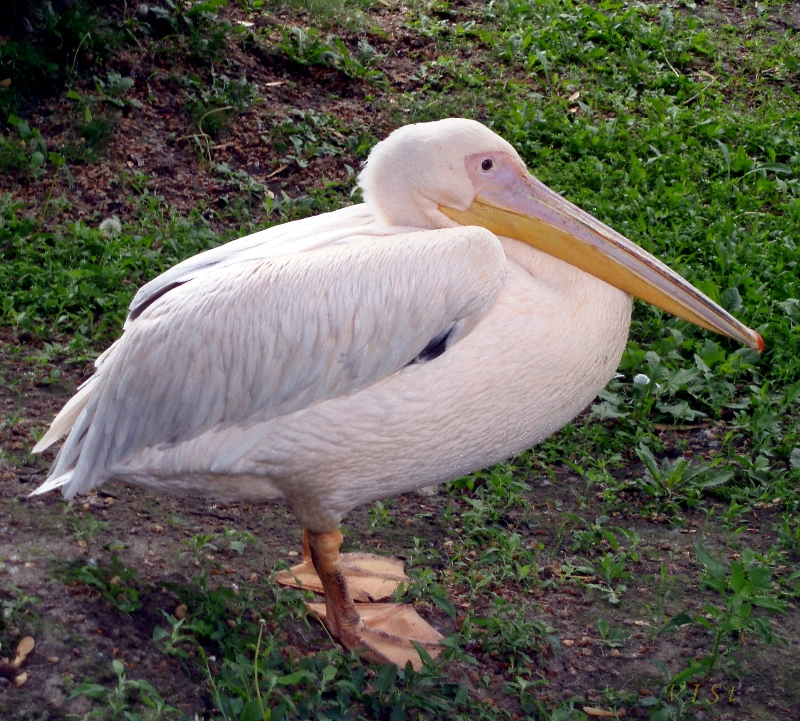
460 315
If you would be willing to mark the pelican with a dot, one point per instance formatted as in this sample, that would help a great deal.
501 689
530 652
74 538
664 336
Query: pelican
458 316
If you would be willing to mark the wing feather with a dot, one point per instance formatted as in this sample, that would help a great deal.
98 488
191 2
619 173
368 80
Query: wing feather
65 419
241 343
298 236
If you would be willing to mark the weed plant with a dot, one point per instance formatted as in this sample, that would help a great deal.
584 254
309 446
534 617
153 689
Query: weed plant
743 586
131 699
308 47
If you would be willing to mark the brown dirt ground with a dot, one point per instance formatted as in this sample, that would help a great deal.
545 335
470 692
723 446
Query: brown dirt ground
158 139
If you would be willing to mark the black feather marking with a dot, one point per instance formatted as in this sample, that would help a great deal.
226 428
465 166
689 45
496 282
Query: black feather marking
137 311
436 346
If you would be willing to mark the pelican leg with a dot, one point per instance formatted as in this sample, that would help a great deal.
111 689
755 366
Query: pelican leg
370 577
379 632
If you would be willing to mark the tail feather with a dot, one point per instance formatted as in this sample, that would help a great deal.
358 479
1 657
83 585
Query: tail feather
75 419
52 483
69 414
66 417
72 472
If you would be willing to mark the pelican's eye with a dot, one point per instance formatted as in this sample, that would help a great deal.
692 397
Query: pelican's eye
487 165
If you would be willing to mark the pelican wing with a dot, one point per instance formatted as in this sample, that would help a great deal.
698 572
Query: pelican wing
296 237
240 343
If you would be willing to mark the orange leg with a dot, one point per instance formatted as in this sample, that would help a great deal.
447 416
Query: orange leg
370 577
341 613
306 558
382 632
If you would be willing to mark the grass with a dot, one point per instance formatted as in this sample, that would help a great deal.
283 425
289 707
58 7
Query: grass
679 129
78 280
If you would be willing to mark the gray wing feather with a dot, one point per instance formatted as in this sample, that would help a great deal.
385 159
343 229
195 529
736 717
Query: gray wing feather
246 342
299 236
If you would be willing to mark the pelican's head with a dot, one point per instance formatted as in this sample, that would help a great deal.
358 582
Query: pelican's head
458 172
421 167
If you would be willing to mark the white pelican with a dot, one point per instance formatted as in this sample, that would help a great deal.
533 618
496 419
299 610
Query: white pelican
460 315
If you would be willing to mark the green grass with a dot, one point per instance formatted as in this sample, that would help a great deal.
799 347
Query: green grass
77 280
681 131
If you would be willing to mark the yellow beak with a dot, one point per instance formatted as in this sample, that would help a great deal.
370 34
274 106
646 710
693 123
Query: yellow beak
514 204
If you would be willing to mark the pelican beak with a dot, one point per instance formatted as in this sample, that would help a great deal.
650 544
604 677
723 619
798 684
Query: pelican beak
510 202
